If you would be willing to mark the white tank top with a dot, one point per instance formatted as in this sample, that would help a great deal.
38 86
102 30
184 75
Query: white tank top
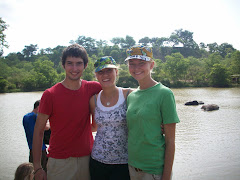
110 145
121 99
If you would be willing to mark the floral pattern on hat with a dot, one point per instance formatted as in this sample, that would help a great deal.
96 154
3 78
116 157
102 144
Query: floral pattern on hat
105 62
139 52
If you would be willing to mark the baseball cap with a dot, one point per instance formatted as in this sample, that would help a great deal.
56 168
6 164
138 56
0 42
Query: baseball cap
104 62
139 52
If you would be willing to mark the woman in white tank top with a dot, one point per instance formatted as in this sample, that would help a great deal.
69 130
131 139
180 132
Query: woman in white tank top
109 154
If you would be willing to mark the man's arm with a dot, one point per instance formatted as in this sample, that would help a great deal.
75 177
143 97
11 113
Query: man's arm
37 145
169 130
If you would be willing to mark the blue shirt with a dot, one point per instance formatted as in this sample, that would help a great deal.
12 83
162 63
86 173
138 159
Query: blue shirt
29 121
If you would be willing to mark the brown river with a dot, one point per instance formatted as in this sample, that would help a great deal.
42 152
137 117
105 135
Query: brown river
207 143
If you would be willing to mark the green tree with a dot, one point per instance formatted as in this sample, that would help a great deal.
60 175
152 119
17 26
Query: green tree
235 63
117 41
89 71
195 72
158 74
107 50
3 85
56 55
28 66
184 38
219 76
5 70
125 79
202 45
144 41
225 49
3 42
30 82
164 51
100 45
12 59
30 51
116 55
129 41
214 58
213 47
17 76
183 42
176 67
88 43
46 74
20 56
159 41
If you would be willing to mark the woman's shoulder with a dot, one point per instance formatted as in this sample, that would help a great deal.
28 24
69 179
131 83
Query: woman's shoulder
126 91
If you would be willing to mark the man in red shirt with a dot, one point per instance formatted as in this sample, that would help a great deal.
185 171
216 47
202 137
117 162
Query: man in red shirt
66 105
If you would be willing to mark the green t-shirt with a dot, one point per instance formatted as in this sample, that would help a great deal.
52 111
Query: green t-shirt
147 110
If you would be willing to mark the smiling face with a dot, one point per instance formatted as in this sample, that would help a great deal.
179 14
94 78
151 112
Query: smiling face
107 77
74 67
140 69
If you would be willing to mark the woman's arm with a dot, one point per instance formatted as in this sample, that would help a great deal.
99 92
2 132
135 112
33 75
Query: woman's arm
92 113
169 130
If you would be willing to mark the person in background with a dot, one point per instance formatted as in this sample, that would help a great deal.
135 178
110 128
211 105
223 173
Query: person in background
109 155
150 153
47 134
29 121
24 172
66 105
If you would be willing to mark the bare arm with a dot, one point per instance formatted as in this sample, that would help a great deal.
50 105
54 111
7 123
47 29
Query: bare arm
37 144
93 125
169 130
92 113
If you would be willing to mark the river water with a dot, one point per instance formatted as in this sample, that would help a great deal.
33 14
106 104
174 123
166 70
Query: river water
207 143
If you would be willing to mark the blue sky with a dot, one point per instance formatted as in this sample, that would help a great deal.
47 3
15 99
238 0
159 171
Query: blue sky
49 23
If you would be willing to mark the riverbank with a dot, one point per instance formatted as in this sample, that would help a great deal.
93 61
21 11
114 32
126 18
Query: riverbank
179 85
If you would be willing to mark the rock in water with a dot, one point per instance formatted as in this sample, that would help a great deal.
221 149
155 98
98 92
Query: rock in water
210 107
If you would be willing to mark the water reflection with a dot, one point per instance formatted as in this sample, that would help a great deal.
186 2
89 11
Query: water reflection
207 143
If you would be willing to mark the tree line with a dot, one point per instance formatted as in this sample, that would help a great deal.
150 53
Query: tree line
179 62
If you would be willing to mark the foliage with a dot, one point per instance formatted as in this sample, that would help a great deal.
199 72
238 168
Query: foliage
176 66
45 73
179 62
235 62
183 38
89 71
3 42
29 51
3 84
196 72
144 41
125 79
219 76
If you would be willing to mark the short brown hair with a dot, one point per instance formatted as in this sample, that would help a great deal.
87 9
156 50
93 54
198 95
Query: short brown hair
36 104
75 50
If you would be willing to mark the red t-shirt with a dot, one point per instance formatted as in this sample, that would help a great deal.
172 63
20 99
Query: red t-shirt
69 119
